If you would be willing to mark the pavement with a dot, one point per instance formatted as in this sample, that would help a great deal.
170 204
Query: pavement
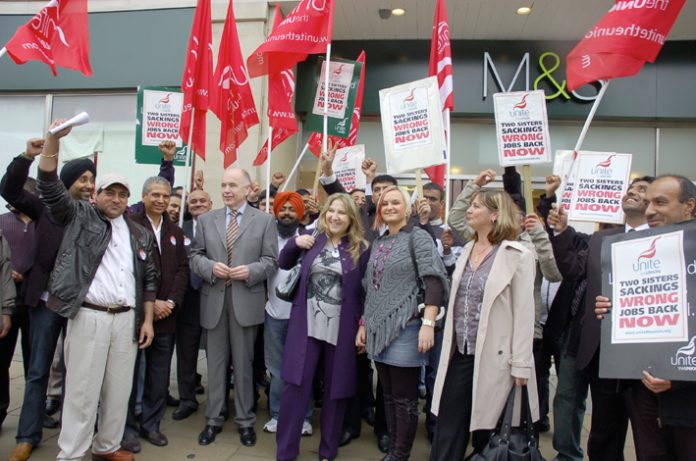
183 435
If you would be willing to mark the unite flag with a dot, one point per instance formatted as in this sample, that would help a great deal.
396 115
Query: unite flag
306 30
629 35
58 35
316 140
196 81
441 66
231 98
281 115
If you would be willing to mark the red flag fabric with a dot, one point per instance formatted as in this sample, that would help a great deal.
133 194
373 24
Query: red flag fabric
441 67
306 30
231 98
629 35
316 140
58 35
281 115
197 78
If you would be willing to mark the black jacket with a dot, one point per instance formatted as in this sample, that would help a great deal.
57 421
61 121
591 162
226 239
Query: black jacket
87 234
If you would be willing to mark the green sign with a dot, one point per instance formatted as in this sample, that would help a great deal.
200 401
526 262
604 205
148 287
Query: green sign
158 119
344 79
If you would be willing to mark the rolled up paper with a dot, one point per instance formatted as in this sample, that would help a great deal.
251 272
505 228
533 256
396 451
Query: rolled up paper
80 119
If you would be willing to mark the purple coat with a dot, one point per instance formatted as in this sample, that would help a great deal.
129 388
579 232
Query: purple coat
343 381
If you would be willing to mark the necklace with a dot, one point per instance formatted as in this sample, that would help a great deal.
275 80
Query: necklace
379 263
477 255
334 249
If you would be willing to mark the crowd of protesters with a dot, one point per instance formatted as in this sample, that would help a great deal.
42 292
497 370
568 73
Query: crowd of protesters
303 299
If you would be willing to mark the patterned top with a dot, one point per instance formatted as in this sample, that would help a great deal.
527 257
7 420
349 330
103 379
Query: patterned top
324 295
467 304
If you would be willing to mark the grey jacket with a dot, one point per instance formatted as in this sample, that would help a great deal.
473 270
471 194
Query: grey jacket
87 235
7 286
537 242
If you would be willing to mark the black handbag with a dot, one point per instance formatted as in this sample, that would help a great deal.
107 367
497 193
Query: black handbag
509 443
287 288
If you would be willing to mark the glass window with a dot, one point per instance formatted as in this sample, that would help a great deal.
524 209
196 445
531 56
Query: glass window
677 152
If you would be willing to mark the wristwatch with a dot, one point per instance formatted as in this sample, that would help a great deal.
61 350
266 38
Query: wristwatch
428 323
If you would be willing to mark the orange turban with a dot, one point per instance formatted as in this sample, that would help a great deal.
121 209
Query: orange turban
295 200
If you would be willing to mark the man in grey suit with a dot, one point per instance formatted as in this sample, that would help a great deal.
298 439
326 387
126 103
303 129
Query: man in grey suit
235 250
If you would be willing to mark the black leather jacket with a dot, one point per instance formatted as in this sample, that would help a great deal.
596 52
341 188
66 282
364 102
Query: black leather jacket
87 235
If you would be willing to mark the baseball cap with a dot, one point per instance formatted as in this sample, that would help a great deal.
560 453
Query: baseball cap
109 179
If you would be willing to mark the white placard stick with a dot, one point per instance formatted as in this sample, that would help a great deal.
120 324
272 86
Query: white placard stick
80 119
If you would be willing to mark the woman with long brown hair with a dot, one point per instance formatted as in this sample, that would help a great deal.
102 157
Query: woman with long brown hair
323 323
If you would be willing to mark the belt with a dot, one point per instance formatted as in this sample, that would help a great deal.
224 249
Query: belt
107 309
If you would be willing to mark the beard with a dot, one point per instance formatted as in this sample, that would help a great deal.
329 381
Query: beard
287 229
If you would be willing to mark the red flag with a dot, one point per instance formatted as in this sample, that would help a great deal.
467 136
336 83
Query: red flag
58 35
281 115
629 35
306 30
441 66
316 140
231 98
196 81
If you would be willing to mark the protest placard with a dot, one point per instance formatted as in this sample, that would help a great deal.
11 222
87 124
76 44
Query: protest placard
650 278
344 79
562 163
412 126
347 167
601 180
522 128
158 118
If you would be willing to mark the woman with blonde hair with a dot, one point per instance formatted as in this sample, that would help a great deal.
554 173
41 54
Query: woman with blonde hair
489 330
323 323
405 283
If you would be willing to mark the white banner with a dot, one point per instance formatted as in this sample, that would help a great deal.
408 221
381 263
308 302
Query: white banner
412 126
600 183
649 290
347 167
339 88
161 117
522 128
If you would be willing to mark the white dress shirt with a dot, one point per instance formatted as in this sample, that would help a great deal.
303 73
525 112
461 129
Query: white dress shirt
114 282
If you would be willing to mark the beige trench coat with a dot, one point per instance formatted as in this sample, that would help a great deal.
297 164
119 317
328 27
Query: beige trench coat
505 335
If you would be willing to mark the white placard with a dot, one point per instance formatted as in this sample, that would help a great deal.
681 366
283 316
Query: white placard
412 126
522 128
161 117
339 89
562 163
347 167
649 290
600 183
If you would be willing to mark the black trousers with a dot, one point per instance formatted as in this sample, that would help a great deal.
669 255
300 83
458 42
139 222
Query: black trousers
454 417
158 359
609 416
188 340
20 322
543 351
655 443
363 397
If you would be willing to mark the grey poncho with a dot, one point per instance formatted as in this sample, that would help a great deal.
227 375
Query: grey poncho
391 287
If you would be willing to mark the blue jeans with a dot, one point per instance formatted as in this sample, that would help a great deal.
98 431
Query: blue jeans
274 333
569 408
45 327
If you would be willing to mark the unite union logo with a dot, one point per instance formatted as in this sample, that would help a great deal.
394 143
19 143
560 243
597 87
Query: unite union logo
684 358
409 101
646 260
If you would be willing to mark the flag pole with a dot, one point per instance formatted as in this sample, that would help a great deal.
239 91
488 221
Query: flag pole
3 50
268 169
188 172
591 115
294 168
325 140
448 178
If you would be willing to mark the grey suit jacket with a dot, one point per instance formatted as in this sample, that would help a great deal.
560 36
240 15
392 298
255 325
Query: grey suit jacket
256 247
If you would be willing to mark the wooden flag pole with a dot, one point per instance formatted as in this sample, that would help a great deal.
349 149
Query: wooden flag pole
325 140
268 169
528 196
189 172
448 178
419 183
294 168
